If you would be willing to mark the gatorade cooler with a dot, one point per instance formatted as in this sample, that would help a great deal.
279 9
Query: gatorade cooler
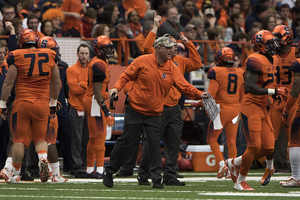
202 158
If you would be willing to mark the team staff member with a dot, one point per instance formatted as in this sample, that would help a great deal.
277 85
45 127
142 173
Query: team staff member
294 139
77 77
257 125
31 106
96 93
153 76
225 86
284 78
172 124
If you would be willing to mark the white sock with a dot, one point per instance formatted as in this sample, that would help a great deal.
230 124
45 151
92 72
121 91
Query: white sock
100 169
8 164
42 155
55 168
15 172
221 163
270 164
237 161
240 179
89 170
295 162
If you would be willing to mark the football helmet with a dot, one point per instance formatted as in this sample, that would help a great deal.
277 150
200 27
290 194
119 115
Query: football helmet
27 37
225 55
283 34
265 42
103 46
50 43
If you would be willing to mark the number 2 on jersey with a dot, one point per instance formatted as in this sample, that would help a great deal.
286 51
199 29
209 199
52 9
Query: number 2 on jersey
232 83
45 59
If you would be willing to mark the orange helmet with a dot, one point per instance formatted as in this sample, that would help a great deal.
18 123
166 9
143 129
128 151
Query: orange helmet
28 36
103 46
225 55
265 42
283 34
48 42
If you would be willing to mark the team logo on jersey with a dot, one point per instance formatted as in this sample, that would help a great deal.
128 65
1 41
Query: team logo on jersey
176 63
164 75
283 61
268 69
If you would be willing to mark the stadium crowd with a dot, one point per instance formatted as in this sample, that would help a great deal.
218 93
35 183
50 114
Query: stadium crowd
32 26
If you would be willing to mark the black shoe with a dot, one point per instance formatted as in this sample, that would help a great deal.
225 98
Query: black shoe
143 181
108 180
91 175
174 182
124 174
80 175
98 175
158 185
26 177
179 176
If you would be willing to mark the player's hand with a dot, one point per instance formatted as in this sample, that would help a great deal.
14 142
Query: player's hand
52 122
199 105
3 112
110 119
204 95
113 91
278 99
281 91
285 115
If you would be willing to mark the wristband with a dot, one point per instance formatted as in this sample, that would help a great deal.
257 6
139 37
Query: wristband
271 91
2 104
105 110
53 102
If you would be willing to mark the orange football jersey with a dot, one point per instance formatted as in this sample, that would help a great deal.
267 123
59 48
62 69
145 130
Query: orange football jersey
283 69
229 82
98 67
266 68
34 72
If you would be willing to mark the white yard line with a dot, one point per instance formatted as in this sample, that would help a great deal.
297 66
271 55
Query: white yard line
258 194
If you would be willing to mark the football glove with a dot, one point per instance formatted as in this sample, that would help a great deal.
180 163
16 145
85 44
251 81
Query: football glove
110 119
52 122
285 115
54 109
281 91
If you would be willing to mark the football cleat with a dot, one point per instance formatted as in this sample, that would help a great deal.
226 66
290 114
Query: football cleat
58 178
15 179
267 176
222 170
234 170
244 186
44 170
228 174
5 174
290 183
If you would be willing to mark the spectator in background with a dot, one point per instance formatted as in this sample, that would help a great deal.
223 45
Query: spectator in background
122 28
106 17
25 7
238 37
56 16
233 7
161 8
201 35
112 7
33 10
32 23
148 5
248 47
268 23
188 12
222 31
72 10
135 25
209 18
137 5
149 15
256 26
213 33
245 7
190 32
88 21
220 13
2 31
259 12
171 24
140 39
237 22
47 28
8 13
